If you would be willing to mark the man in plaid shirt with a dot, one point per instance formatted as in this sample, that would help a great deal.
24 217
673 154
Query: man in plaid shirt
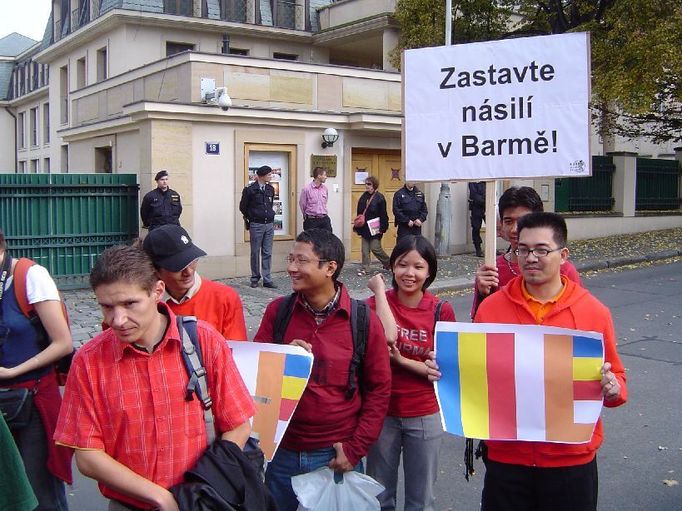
124 408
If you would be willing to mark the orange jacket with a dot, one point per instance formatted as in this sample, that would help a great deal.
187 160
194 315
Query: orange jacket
576 309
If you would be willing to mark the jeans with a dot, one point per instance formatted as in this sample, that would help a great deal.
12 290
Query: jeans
32 444
419 439
261 245
287 464
318 223
374 245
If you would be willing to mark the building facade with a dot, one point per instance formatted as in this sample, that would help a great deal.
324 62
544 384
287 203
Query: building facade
116 86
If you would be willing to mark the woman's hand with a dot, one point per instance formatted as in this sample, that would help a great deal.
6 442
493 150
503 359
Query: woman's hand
376 284
305 345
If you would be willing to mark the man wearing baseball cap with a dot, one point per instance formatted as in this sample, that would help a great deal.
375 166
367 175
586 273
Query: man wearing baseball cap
256 205
187 294
162 205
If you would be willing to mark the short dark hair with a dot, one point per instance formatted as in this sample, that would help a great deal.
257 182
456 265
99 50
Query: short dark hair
373 181
325 246
542 219
3 243
424 248
519 196
123 263
318 171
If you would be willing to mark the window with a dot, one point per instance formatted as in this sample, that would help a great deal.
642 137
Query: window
46 123
233 10
173 48
284 56
64 94
65 158
102 64
46 165
33 126
80 73
182 7
103 160
238 51
33 166
21 127
22 167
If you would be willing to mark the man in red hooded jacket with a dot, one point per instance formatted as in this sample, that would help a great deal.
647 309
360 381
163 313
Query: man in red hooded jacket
539 475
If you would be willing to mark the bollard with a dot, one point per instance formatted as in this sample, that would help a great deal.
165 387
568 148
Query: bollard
443 220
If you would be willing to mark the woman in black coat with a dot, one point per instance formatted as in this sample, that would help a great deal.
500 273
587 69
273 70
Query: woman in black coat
376 209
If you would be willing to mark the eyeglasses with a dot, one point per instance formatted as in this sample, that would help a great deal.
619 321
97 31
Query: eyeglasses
299 262
537 251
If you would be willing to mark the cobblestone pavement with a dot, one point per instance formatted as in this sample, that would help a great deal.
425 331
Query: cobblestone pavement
454 273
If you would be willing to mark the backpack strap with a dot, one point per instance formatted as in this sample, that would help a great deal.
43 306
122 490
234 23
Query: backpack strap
20 273
436 314
359 321
286 308
193 360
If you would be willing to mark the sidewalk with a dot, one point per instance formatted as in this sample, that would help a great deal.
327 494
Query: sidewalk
454 273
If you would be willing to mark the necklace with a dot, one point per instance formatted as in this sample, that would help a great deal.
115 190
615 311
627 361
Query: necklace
507 257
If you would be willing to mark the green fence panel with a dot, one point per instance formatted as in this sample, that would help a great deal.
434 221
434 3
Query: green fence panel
658 185
63 221
594 193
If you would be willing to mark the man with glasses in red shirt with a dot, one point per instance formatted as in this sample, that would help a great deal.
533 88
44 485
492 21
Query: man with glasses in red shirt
333 425
124 409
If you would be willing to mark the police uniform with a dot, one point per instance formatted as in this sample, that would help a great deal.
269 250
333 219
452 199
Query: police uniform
477 208
256 205
160 208
409 205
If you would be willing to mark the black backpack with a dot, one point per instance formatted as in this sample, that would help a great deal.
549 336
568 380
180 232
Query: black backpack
359 321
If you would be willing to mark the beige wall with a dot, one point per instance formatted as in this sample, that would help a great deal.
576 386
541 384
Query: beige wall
7 138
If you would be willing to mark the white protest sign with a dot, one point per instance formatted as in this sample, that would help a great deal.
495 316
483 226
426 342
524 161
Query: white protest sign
501 109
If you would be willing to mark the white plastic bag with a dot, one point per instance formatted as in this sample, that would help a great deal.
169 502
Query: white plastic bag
317 491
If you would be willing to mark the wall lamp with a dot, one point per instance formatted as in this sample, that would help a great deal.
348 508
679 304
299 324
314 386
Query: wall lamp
329 137
212 95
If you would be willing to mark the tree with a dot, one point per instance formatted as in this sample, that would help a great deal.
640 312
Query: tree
636 67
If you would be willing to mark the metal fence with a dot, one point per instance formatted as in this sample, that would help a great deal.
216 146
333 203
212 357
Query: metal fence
658 185
63 221
594 193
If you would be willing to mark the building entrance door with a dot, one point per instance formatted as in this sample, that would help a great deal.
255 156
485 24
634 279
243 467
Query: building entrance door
385 165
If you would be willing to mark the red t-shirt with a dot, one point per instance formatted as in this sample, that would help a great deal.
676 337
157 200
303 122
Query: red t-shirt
218 305
131 404
413 395
324 415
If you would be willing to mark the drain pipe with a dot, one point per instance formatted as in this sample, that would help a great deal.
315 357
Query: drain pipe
16 146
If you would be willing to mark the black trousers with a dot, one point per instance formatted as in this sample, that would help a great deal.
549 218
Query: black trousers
405 230
476 223
318 223
519 488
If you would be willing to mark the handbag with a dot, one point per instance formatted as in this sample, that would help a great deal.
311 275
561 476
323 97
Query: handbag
16 406
359 221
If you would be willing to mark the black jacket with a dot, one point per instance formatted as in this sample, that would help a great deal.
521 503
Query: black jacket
477 197
377 208
409 205
223 480
256 204
160 208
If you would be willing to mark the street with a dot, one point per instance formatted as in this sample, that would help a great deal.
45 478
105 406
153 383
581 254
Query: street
640 462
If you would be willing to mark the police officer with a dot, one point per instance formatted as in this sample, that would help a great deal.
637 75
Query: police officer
162 205
477 208
256 206
409 210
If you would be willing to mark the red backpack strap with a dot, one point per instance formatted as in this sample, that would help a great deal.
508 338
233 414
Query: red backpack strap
20 272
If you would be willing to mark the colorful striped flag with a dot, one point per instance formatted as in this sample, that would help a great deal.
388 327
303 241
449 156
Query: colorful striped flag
519 382
276 376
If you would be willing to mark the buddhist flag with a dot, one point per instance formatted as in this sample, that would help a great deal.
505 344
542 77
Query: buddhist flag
276 376
519 382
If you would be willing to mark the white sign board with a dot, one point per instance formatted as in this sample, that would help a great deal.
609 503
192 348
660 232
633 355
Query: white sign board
501 109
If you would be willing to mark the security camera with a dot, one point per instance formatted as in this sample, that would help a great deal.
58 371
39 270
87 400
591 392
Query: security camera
224 101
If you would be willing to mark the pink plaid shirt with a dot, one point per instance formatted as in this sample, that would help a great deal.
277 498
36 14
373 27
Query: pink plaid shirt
313 199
